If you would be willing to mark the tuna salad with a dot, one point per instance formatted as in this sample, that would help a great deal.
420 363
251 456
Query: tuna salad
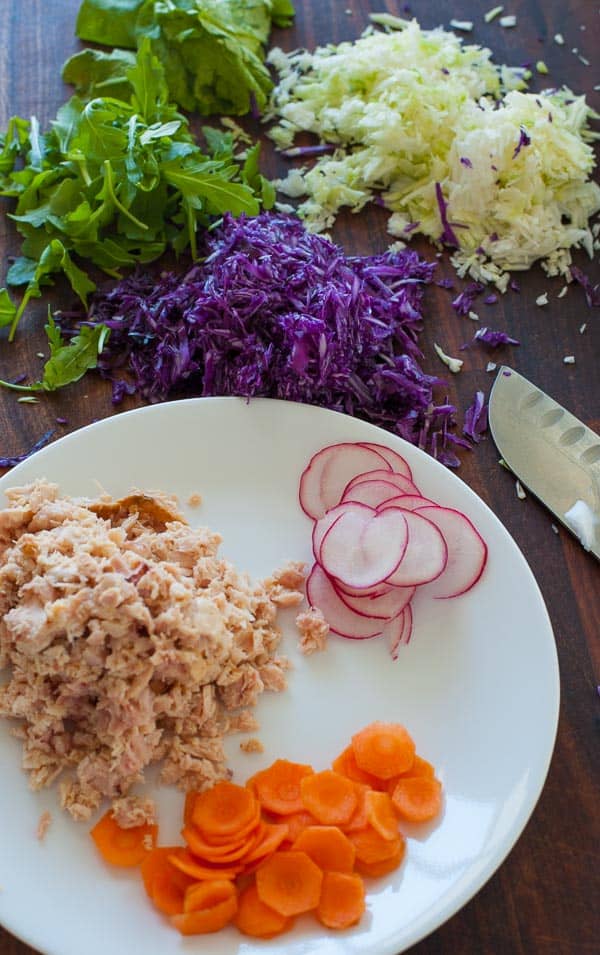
125 641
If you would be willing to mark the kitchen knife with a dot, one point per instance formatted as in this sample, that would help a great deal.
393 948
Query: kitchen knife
551 452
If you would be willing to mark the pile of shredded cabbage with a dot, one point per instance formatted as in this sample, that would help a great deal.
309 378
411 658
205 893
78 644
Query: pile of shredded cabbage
447 141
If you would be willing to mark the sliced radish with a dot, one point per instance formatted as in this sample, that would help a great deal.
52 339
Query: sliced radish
467 551
364 550
408 502
404 484
395 460
372 493
321 526
385 606
329 471
426 554
341 619
399 631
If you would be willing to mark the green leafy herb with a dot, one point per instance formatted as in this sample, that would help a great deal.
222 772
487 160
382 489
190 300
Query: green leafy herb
67 362
115 182
212 50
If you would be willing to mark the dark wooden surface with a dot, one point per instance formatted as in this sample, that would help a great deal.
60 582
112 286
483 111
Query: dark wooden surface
543 899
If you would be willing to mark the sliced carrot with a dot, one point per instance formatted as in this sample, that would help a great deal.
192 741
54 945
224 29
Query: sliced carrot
224 810
165 883
376 869
188 807
383 749
205 921
417 798
123 847
342 901
278 787
345 764
204 895
328 847
219 855
371 847
272 835
331 798
358 819
199 871
258 920
289 882
297 822
420 767
381 814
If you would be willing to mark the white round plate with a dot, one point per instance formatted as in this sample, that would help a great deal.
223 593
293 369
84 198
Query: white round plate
477 687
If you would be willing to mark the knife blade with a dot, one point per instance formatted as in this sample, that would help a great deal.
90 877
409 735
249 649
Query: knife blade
553 454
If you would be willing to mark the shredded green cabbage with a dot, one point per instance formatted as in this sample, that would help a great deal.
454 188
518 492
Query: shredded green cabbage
447 140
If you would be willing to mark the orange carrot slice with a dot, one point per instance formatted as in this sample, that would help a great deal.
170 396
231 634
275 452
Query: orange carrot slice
342 901
204 895
381 814
420 767
297 822
199 871
258 920
164 883
328 847
331 798
278 787
383 749
345 764
204 921
218 855
289 882
358 819
371 847
123 847
377 869
272 835
224 810
417 798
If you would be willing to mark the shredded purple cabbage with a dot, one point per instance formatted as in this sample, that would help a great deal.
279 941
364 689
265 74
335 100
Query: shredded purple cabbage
445 283
524 140
275 311
448 235
490 299
466 162
592 292
476 418
463 303
11 462
295 152
493 339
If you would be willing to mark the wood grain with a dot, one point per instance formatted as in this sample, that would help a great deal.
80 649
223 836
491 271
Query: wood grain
543 899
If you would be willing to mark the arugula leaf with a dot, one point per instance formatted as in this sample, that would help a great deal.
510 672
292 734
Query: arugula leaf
68 362
8 309
116 182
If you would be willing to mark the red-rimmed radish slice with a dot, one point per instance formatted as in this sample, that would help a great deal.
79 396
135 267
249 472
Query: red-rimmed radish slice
395 460
341 619
384 606
467 552
400 481
426 554
399 631
363 550
408 502
372 493
321 526
377 591
329 471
